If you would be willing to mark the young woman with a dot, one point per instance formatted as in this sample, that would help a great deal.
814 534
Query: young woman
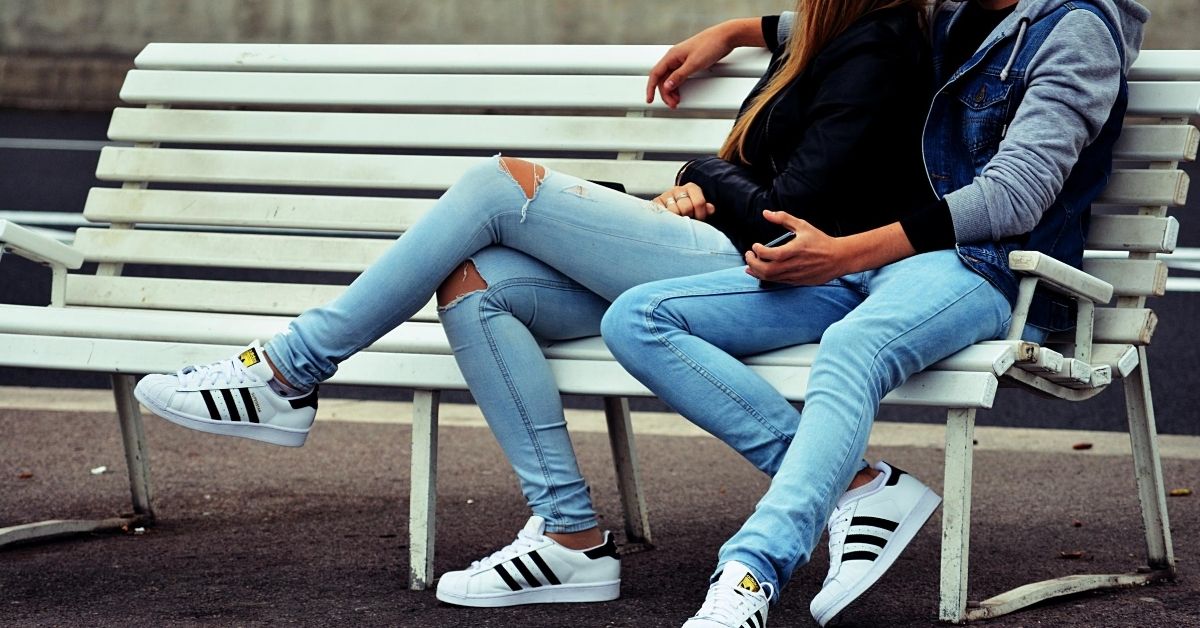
517 253
1017 142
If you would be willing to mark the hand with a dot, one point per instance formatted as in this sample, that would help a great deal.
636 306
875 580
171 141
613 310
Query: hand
810 259
699 52
685 200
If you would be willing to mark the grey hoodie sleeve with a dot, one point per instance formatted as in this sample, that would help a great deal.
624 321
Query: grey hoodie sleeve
787 20
1072 83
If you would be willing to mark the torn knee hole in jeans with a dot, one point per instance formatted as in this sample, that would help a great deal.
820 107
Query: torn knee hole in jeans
462 283
528 175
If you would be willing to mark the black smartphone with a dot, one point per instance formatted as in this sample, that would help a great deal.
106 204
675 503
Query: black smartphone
783 239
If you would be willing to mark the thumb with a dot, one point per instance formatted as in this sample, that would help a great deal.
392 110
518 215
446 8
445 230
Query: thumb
783 219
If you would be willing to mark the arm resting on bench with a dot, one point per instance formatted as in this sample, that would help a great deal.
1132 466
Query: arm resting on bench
37 247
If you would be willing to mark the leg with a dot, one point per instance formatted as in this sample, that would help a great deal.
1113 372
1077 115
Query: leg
605 240
422 501
494 331
137 458
1143 436
918 311
956 515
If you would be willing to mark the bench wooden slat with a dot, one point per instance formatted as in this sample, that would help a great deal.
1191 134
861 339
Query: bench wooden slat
1164 98
239 209
632 60
1145 187
1130 278
1151 65
1142 234
541 92
338 170
1133 326
207 295
441 131
1161 142
584 377
229 250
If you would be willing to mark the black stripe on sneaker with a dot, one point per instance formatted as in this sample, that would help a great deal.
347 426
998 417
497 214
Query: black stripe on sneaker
894 478
869 539
525 573
309 400
758 616
849 556
234 415
874 522
248 401
608 549
512 583
546 571
211 405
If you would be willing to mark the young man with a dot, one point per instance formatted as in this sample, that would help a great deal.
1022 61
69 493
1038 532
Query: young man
1017 142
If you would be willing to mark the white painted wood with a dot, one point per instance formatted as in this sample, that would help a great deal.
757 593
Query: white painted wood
1159 142
1143 435
1142 234
1061 276
1045 361
1128 277
137 455
215 296
238 209
434 130
478 91
422 500
1145 187
1166 65
631 60
229 250
21 241
1133 326
621 441
334 170
956 514
61 527
1165 98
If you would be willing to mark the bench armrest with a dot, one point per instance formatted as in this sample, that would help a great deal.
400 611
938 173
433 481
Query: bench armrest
37 247
1061 277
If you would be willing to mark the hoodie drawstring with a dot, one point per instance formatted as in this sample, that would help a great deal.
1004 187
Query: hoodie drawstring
1012 58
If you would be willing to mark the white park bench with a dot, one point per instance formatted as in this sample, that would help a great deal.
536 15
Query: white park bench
312 158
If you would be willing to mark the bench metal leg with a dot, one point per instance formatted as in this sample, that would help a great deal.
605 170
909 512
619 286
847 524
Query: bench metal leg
137 461
956 515
422 500
620 437
1143 436
137 457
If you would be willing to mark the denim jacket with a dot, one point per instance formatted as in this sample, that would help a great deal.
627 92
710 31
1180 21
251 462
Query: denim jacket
969 117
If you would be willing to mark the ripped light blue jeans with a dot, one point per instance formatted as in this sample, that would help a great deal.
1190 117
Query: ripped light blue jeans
681 337
551 264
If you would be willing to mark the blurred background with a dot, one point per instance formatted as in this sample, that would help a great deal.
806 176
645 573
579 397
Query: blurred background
62 63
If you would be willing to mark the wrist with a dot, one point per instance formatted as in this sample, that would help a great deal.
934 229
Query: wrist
741 32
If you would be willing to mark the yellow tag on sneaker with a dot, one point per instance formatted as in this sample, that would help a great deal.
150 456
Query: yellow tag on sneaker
749 583
249 357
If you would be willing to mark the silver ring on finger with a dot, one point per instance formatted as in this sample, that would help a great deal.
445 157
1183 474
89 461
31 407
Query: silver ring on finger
670 201
681 196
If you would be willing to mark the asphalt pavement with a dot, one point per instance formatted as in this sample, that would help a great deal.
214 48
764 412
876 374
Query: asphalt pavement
249 534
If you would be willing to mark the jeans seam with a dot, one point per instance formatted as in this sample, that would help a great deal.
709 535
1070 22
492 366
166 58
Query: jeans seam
704 373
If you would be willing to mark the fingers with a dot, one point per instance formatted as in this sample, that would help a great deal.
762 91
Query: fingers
686 200
785 219
659 77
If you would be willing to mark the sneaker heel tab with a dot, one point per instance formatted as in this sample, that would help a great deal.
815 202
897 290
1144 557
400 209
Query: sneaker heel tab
309 400
608 548
894 477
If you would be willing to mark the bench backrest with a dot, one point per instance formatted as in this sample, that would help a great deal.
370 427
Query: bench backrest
309 159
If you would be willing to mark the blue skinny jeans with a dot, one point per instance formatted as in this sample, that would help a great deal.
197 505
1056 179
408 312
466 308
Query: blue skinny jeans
682 337
552 263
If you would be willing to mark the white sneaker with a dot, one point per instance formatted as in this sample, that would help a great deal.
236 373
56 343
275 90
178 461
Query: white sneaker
536 570
735 600
230 397
867 532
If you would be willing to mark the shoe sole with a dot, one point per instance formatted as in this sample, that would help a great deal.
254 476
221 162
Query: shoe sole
546 594
285 436
905 532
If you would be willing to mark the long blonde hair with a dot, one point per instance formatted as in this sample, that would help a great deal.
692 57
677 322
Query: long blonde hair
817 23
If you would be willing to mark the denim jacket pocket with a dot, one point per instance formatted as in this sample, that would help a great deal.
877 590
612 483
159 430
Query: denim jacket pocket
985 103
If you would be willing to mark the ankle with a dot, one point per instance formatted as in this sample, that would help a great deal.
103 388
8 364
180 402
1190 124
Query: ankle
584 539
863 477
279 383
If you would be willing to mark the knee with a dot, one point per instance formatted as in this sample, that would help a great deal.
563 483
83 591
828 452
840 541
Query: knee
463 281
624 322
527 174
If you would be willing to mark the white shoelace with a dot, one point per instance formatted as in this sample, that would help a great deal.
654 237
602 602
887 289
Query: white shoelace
223 373
525 540
726 605
839 526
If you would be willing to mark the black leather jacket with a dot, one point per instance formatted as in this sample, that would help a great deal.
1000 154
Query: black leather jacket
840 147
